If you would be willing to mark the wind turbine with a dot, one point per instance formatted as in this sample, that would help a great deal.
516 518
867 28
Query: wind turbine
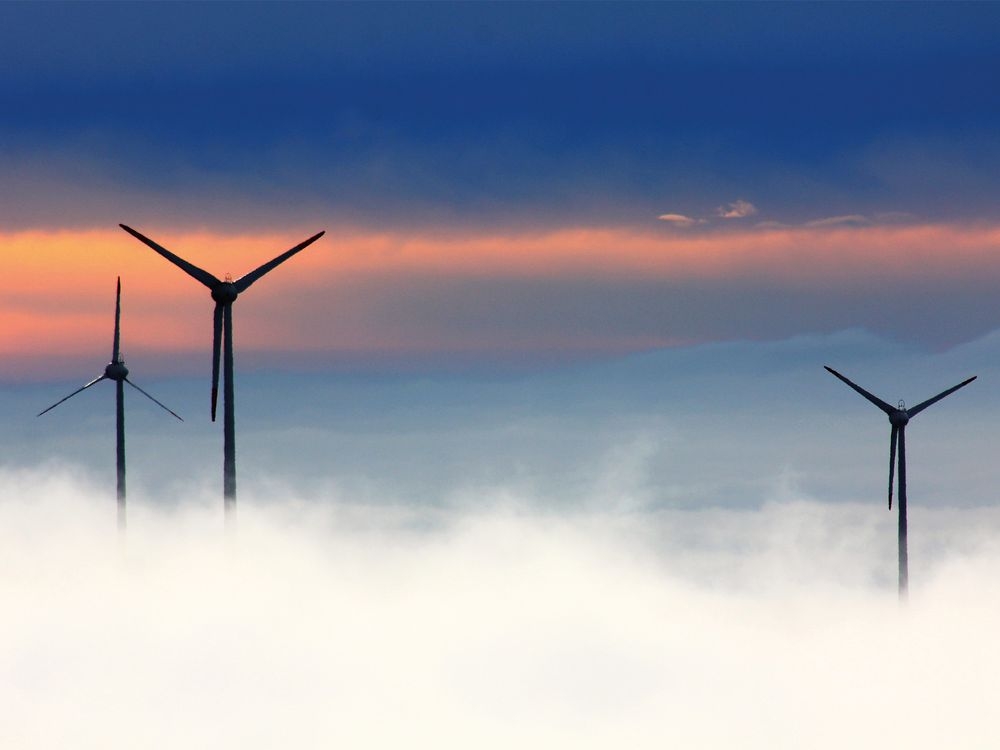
899 417
224 293
117 371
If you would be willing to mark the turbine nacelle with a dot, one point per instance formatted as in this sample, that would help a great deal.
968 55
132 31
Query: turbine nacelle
899 418
116 370
225 292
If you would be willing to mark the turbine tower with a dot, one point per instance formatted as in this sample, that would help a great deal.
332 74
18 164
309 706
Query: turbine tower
117 371
899 417
224 293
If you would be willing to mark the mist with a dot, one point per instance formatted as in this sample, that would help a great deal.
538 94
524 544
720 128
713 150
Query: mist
320 623
688 547
724 425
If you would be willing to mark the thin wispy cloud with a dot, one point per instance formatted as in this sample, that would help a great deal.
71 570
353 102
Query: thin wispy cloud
680 220
883 218
849 220
738 209
742 209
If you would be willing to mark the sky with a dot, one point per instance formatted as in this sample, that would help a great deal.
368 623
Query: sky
500 185
534 445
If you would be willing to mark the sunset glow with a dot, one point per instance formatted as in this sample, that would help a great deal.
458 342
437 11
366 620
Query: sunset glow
533 440
313 303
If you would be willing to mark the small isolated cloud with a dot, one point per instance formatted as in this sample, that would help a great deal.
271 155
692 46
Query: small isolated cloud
850 220
738 209
680 220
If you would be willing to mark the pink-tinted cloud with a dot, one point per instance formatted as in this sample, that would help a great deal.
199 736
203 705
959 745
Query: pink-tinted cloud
848 220
680 220
738 209
574 289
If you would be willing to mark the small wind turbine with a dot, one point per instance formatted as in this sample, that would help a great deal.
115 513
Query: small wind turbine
899 416
118 372
224 293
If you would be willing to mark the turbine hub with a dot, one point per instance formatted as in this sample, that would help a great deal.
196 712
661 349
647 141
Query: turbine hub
899 418
225 293
116 370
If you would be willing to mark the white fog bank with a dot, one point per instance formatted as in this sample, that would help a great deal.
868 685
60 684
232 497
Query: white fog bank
332 624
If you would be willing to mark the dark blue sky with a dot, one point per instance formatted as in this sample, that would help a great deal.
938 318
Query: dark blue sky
493 113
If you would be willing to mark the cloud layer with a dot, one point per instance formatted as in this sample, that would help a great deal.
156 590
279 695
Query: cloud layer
321 625
617 553
455 296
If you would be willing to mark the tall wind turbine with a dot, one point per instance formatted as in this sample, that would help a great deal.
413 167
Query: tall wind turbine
899 416
117 371
224 293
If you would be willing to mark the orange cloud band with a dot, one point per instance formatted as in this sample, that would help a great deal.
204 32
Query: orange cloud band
57 288
36 260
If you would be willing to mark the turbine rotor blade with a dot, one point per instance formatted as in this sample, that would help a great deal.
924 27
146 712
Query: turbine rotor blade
192 270
244 282
871 397
92 382
115 348
924 404
892 460
153 399
216 352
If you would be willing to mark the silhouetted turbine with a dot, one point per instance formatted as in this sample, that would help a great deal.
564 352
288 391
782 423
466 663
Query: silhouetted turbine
224 293
899 416
118 372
